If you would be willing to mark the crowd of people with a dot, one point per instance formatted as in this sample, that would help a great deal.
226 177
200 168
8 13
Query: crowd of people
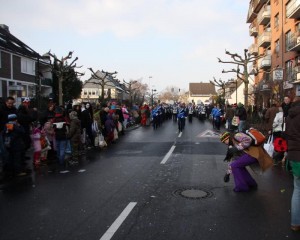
60 135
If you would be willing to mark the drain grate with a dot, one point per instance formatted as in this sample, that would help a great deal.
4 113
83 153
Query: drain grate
193 193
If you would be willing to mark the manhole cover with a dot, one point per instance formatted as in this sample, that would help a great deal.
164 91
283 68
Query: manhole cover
193 193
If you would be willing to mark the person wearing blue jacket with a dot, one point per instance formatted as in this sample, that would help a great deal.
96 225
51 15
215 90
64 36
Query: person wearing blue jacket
155 114
181 115
217 113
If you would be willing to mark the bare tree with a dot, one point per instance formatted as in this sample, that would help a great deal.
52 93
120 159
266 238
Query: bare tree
243 62
62 70
106 80
219 83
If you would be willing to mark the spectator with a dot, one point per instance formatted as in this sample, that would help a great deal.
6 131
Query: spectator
61 129
269 117
293 155
229 114
286 105
26 116
13 141
242 114
49 113
75 137
6 109
86 122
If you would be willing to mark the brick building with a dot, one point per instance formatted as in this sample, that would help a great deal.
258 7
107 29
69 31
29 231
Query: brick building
275 28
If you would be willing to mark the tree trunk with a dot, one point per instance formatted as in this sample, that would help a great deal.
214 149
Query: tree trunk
60 92
246 81
102 92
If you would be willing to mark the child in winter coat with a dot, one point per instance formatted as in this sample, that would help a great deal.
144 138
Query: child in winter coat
36 140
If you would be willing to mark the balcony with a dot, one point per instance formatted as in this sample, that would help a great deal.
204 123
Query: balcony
253 49
253 31
297 79
264 15
257 4
264 40
293 9
295 75
294 43
265 62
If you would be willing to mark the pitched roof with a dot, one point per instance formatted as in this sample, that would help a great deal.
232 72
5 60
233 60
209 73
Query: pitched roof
109 82
202 89
10 43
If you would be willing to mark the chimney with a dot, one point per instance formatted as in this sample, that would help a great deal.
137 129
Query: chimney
5 27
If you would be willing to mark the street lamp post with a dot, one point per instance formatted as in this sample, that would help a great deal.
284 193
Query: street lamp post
152 90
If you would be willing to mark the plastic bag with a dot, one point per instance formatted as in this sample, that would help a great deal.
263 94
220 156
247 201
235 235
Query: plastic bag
102 142
269 147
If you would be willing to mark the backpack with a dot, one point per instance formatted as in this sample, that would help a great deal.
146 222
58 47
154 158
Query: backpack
257 137
280 144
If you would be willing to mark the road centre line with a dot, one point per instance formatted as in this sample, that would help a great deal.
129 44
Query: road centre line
117 223
168 155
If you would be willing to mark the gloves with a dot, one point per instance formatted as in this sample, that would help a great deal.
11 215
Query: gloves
227 177
232 151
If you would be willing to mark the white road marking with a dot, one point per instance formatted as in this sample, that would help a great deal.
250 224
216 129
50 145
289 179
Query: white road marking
117 223
180 134
168 155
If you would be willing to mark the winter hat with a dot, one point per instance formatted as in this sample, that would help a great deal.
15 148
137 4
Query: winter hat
12 117
224 136
26 100
73 115
58 110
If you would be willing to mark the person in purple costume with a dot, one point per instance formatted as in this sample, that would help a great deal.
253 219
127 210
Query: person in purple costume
244 154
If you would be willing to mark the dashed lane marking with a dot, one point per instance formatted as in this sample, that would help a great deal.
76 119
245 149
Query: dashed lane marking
117 223
168 155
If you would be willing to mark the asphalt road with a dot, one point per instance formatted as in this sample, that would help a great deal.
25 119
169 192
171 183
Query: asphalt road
152 184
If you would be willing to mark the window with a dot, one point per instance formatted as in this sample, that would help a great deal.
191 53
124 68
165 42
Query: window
27 66
288 70
276 21
277 46
288 40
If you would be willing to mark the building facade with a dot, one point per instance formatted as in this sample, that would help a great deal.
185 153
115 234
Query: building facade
275 28
23 72
201 92
92 89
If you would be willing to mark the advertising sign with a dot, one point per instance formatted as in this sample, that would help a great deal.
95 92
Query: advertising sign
278 74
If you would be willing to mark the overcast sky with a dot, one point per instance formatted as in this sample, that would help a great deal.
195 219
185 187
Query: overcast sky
173 41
